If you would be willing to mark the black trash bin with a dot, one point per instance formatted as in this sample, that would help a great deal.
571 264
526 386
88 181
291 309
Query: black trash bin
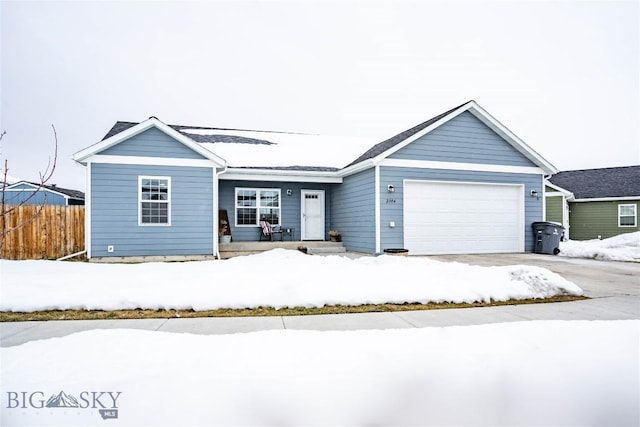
547 237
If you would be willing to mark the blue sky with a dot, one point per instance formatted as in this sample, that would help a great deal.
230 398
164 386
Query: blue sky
563 76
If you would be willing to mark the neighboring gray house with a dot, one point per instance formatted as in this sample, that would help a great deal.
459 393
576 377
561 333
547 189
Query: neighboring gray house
595 203
31 193
460 182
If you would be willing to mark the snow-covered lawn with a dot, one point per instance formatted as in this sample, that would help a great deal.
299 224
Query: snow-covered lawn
530 373
625 247
278 278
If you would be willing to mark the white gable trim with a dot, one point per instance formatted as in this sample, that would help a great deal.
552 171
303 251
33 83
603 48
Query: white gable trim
82 155
489 121
511 138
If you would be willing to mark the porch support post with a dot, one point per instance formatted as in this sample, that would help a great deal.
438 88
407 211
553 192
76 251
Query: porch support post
377 206
215 196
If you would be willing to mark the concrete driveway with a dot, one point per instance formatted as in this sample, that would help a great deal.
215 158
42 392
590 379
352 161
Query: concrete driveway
614 289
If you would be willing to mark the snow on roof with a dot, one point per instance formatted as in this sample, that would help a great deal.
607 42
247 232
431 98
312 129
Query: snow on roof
275 150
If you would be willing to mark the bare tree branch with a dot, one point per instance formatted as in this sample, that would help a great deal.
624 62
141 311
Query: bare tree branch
6 208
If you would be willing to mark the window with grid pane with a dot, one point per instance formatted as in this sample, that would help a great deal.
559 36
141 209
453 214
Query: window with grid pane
154 200
627 215
256 204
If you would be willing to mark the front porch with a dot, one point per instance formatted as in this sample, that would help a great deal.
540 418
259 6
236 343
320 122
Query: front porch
233 249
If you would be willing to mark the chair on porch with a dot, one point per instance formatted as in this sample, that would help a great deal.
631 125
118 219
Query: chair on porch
267 231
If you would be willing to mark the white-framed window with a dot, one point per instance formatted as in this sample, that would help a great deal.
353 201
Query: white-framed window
154 200
628 215
257 204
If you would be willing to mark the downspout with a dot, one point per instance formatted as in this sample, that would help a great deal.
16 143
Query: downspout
216 206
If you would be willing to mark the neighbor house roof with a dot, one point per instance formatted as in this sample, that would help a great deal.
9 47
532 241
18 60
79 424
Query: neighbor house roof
73 194
617 182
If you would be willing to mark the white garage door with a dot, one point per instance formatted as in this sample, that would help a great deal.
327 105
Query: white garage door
451 218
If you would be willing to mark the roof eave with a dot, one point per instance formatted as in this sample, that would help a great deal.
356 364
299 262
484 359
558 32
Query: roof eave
605 199
358 167
568 194
281 175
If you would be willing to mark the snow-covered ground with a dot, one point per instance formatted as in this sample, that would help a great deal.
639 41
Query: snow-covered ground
625 247
278 278
539 373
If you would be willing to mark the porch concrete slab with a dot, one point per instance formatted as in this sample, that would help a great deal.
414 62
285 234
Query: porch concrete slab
345 322
16 333
222 325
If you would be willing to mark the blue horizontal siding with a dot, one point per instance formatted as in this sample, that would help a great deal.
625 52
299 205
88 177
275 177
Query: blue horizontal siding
290 205
114 212
152 143
463 139
353 211
42 196
393 237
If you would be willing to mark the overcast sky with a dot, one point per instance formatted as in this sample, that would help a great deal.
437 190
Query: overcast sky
562 75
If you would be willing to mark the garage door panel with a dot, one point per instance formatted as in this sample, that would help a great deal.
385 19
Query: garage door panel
462 218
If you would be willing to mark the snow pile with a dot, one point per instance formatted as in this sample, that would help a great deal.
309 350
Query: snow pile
278 278
625 247
528 373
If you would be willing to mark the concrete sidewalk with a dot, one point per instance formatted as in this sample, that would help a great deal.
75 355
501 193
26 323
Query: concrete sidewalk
614 289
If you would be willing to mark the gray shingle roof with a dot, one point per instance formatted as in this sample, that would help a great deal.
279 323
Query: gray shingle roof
225 139
222 138
74 194
214 138
397 139
600 183
119 127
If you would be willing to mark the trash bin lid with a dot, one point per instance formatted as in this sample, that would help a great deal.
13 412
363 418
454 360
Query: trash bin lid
542 224
396 251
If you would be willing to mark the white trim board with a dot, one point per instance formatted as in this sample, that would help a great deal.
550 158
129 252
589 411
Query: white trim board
607 199
150 161
474 167
272 175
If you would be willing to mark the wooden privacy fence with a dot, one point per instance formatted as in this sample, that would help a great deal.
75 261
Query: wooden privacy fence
55 232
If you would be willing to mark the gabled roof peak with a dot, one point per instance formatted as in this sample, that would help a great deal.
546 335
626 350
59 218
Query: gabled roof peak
391 145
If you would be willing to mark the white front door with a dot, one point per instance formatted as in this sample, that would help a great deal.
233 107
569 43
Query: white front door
312 214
